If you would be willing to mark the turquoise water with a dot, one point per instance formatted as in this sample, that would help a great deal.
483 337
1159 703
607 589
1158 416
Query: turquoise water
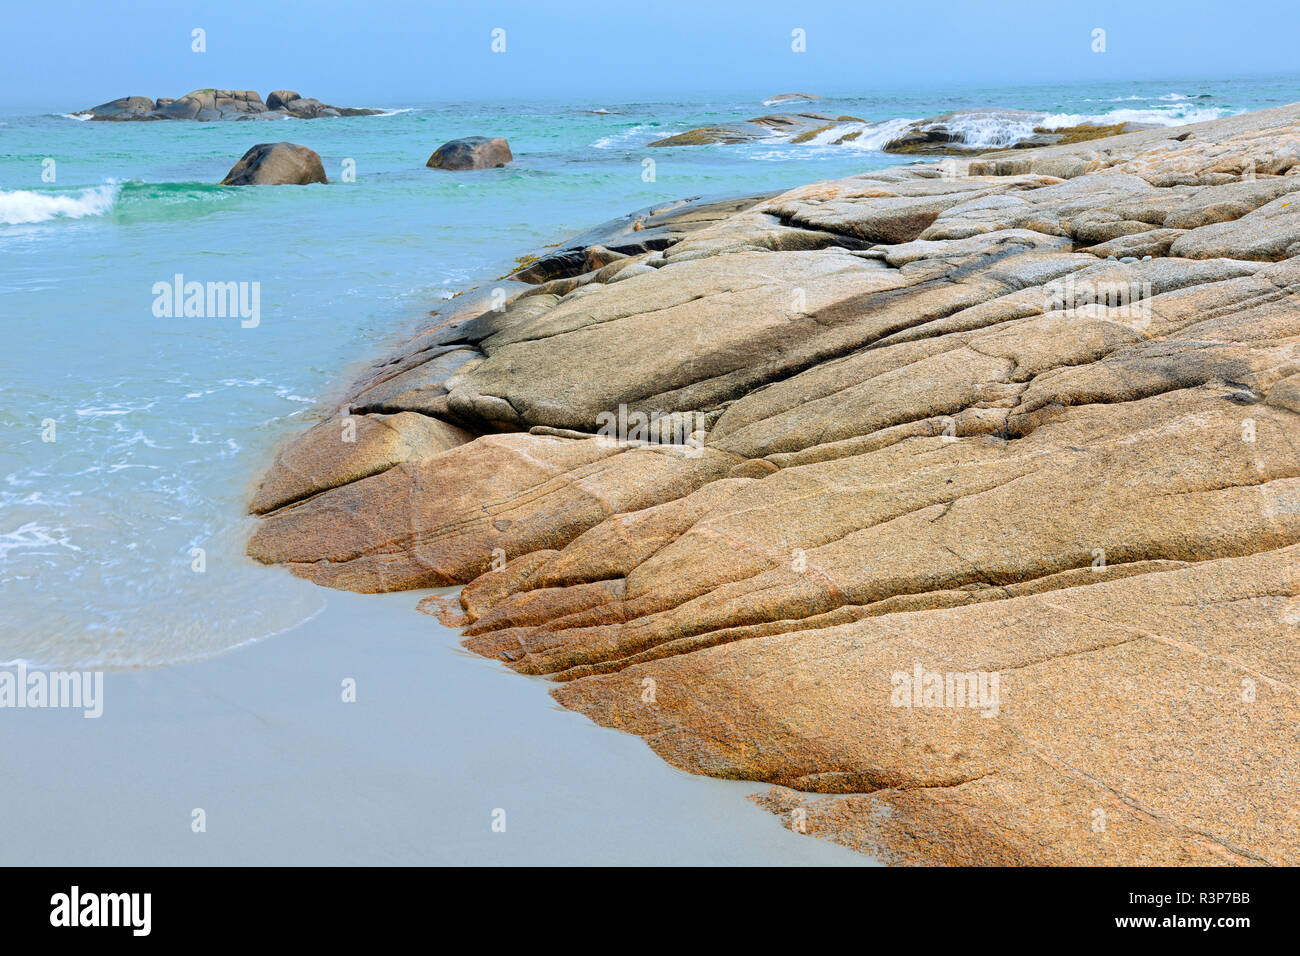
162 426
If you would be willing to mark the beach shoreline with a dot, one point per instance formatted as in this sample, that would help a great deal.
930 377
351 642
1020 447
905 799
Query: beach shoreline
259 738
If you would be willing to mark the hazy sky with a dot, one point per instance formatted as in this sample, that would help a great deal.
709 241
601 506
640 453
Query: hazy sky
76 54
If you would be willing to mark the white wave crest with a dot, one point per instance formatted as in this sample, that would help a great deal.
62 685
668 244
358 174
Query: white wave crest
616 140
870 136
1180 116
991 129
22 206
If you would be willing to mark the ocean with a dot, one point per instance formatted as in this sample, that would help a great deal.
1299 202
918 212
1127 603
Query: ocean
132 441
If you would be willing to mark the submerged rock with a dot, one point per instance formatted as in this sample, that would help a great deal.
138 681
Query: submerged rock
471 152
899 492
277 164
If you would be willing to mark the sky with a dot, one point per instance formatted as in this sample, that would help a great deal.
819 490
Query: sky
72 55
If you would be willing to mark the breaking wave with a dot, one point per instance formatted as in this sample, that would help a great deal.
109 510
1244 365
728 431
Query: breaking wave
23 206
128 201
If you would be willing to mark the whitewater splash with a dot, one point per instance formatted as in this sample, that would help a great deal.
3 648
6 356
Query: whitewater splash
34 536
22 206
621 138
868 136
995 129
1175 116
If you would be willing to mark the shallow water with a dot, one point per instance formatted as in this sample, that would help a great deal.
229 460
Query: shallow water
161 426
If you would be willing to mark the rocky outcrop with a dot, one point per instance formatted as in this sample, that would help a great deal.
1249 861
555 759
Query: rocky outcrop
911 494
279 99
303 107
277 164
206 105
471 152
212 104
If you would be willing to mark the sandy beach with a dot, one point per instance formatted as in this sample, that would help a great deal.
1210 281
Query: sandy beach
411 773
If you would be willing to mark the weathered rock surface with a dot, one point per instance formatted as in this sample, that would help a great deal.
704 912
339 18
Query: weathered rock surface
348 448
471 152
212 104
737 489
652 229
277 164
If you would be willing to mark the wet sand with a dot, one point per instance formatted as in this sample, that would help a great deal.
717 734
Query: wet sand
411 773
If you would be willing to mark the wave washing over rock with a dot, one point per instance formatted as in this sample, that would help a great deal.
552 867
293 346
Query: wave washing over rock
960 132
961 503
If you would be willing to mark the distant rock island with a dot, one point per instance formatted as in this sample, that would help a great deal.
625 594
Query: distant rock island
211 104
787 97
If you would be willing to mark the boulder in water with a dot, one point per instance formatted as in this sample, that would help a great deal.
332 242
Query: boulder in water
277 164
472 152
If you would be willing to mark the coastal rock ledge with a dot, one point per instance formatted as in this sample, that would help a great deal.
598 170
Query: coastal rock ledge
961 504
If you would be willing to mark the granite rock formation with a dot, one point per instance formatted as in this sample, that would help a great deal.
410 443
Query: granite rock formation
960 503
